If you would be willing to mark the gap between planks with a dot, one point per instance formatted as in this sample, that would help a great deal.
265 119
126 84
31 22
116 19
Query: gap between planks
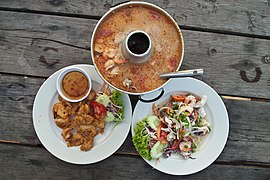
184 27
136 155
19 143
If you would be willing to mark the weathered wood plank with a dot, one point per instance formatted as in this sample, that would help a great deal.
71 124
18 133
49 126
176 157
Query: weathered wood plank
17 98
40 44
233 65
251 17
37 56
70 31
248 139
47 45
20 162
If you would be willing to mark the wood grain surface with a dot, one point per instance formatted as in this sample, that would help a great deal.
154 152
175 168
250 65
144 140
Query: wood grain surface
27 163
247 137
245 17
229 39
233 64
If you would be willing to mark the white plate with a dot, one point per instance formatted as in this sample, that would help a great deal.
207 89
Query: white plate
50 135
214 143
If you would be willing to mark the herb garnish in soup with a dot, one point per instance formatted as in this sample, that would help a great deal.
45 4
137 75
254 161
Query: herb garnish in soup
166 48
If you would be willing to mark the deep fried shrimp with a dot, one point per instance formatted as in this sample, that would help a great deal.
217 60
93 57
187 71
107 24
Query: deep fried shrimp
60 110
75 140
62 123
82 120
84 110
88 131
63 101
66 133
79 122
92 95
56 106
75 107
100 124
87 145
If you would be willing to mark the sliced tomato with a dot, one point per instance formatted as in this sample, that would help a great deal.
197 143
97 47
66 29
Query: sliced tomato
179 97
175 144
100 110
162 135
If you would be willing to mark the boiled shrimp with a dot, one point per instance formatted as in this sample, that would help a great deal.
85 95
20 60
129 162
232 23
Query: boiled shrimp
190 101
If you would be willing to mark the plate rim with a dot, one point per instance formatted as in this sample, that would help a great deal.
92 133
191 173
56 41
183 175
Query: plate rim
174 89
100 157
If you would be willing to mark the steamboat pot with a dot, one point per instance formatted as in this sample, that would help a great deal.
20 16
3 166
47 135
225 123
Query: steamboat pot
133 43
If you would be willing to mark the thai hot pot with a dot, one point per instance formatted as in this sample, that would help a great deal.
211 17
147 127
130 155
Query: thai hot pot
135 42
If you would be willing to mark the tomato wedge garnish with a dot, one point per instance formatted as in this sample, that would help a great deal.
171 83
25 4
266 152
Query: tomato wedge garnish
100 110
179 97
162 135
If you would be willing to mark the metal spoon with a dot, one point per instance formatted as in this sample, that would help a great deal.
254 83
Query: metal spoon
184 73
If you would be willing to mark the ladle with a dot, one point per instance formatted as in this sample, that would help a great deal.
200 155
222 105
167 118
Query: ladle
183 73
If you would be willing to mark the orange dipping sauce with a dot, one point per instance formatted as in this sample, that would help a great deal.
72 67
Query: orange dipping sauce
75 85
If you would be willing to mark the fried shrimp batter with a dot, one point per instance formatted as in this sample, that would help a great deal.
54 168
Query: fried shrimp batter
87 145
92 95
100 124
88 131
66 133
84 110
60 110
62 123
75 140
85 119
78 122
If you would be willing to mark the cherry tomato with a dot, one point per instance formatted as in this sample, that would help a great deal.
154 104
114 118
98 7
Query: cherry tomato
179 97
100 110
162 135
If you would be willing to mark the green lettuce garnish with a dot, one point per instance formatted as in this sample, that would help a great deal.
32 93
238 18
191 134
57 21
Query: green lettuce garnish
116 99
141 140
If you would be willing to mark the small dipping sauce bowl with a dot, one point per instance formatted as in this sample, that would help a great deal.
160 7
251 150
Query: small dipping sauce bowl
73 84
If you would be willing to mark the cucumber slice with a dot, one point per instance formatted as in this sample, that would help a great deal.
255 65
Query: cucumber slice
109 117
103 99
153 122
157 150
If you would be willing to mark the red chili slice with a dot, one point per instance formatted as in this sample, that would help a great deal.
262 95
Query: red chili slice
162 135
175 144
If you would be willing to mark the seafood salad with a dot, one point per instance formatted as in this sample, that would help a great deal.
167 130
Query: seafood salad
175 127
82 121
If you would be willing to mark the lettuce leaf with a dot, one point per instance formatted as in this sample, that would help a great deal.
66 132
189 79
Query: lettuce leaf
116 99
141 140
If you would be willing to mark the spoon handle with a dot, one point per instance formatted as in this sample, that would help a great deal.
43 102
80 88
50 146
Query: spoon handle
184 73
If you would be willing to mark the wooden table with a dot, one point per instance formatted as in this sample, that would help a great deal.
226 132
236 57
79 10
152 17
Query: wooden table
229 39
